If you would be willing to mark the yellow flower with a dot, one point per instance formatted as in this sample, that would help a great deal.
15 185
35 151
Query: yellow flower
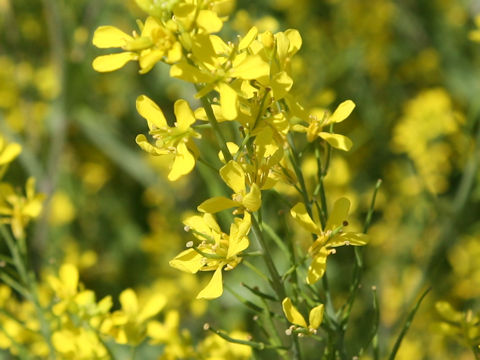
156 42
177 344
175 140
223 68
17 210
70 298
234 176
217 251
79 343
130 323
320 118
315 317
8 151
278 51
464 327
330 237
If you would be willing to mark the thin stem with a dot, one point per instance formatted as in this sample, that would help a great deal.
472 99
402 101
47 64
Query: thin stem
321 188
275 281
58 128
405 328
358 269
30 283
298 172
218 133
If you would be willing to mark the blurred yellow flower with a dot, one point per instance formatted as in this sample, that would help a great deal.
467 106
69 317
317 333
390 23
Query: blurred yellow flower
17 210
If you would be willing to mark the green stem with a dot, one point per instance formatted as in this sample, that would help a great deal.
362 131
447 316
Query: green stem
358 269
30 283
275 281
216 128
273 235
298 172
321 188
405 328
253 344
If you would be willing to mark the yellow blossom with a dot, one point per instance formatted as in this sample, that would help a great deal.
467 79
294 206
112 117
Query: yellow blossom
130 323
221 67
320 119
330 237
216 251
175 140
315 317
8 151
157 42
234 176
17 210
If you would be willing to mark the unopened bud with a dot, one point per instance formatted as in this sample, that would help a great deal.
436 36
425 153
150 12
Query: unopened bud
268 39
206 326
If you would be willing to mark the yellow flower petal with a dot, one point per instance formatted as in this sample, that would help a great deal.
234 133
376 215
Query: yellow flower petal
214 289
63 342
292 314
188 260
175 53
249 67
33 208
209 21
184 114
129 302
448 312
149 58
341 112
338 214
315 317
187 72
300 214
216 204
142 141
248 38
348 238
318 266
281 84
337 141
228 101
9 153
150 112
68 275
234 176
232 149
205 224
112 62
294 41
183 164
253 200
153 306
238 240
110 37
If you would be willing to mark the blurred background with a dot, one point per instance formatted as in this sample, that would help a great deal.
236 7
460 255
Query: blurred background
410 66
